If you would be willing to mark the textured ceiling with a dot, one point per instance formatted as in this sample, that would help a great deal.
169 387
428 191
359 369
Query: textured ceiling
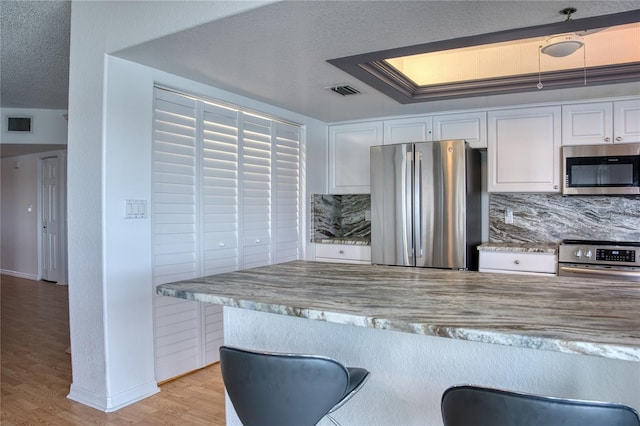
34 54
276 53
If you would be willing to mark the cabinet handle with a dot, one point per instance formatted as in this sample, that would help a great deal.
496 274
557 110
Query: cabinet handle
517 262
555 186
221 244
619 138
257 241
341 251
607 139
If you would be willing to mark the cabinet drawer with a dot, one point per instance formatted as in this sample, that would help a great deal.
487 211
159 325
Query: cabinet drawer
340 252
518 262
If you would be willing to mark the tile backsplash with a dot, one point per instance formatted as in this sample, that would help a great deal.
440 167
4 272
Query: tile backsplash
552 218
341 217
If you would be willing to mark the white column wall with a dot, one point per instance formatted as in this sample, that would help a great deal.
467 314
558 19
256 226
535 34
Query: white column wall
110 134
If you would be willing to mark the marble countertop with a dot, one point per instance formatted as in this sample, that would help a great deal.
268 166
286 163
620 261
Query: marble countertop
520 247
591 317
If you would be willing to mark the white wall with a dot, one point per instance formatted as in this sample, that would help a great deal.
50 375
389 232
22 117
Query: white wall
48 126
110 110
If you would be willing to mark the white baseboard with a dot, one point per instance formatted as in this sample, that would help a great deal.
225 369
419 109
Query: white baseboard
114 402
19 274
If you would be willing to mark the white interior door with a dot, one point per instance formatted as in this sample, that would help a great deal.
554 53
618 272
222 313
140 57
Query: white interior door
50 219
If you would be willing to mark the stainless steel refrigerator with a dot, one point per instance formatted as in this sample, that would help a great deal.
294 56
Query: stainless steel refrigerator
425 205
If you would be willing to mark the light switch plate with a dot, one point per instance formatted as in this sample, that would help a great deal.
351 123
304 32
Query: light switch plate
135 209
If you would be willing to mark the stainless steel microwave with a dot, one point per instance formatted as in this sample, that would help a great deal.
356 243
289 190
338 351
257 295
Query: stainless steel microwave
601 169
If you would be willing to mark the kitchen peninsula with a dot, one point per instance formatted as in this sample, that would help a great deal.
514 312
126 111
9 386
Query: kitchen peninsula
558 336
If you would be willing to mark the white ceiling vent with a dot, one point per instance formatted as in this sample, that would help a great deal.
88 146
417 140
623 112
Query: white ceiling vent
344 90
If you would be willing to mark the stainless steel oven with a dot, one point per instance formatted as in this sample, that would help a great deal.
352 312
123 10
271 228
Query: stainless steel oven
600 259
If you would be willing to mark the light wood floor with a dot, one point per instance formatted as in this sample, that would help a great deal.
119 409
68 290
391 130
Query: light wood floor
36 371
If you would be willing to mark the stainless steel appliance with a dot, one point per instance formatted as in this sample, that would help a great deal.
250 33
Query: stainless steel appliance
601 169
599 259
425 204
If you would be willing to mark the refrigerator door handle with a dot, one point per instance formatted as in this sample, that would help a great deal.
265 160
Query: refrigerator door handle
408 210
417 199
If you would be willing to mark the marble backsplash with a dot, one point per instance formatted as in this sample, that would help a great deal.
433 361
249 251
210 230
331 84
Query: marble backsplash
341 217
551 218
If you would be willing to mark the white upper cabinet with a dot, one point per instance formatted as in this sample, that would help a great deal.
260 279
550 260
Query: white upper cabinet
415 129
523 152
601 123
349 156
626 121
471 127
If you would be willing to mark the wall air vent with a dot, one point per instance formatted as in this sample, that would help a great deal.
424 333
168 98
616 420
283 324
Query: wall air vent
344 90
19 124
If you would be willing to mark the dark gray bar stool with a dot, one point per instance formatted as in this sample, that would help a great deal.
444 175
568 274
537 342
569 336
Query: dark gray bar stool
286 389
480 406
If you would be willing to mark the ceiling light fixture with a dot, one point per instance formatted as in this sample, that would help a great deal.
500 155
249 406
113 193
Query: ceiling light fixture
562 45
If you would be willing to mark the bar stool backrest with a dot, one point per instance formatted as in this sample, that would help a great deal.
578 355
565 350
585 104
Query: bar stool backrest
480 406
281 389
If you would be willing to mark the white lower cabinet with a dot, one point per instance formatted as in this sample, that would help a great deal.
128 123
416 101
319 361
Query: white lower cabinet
511 262
343 253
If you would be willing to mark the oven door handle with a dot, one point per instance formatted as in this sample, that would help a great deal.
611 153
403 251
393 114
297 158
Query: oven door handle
610 272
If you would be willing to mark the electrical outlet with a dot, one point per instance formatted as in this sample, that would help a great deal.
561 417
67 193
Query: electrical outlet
508 216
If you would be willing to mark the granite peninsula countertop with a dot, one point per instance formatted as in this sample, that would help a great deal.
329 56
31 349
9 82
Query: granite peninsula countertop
520 247
580 316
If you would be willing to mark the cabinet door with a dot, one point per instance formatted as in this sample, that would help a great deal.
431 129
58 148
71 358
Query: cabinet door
349 156
416 129
626 121
471 127
524 150
587 124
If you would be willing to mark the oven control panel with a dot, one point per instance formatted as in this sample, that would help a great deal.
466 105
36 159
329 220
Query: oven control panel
616 255
599 254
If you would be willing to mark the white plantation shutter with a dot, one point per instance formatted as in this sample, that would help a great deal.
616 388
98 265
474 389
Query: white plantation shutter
177 323
225 197
286 187
256 191
219 190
